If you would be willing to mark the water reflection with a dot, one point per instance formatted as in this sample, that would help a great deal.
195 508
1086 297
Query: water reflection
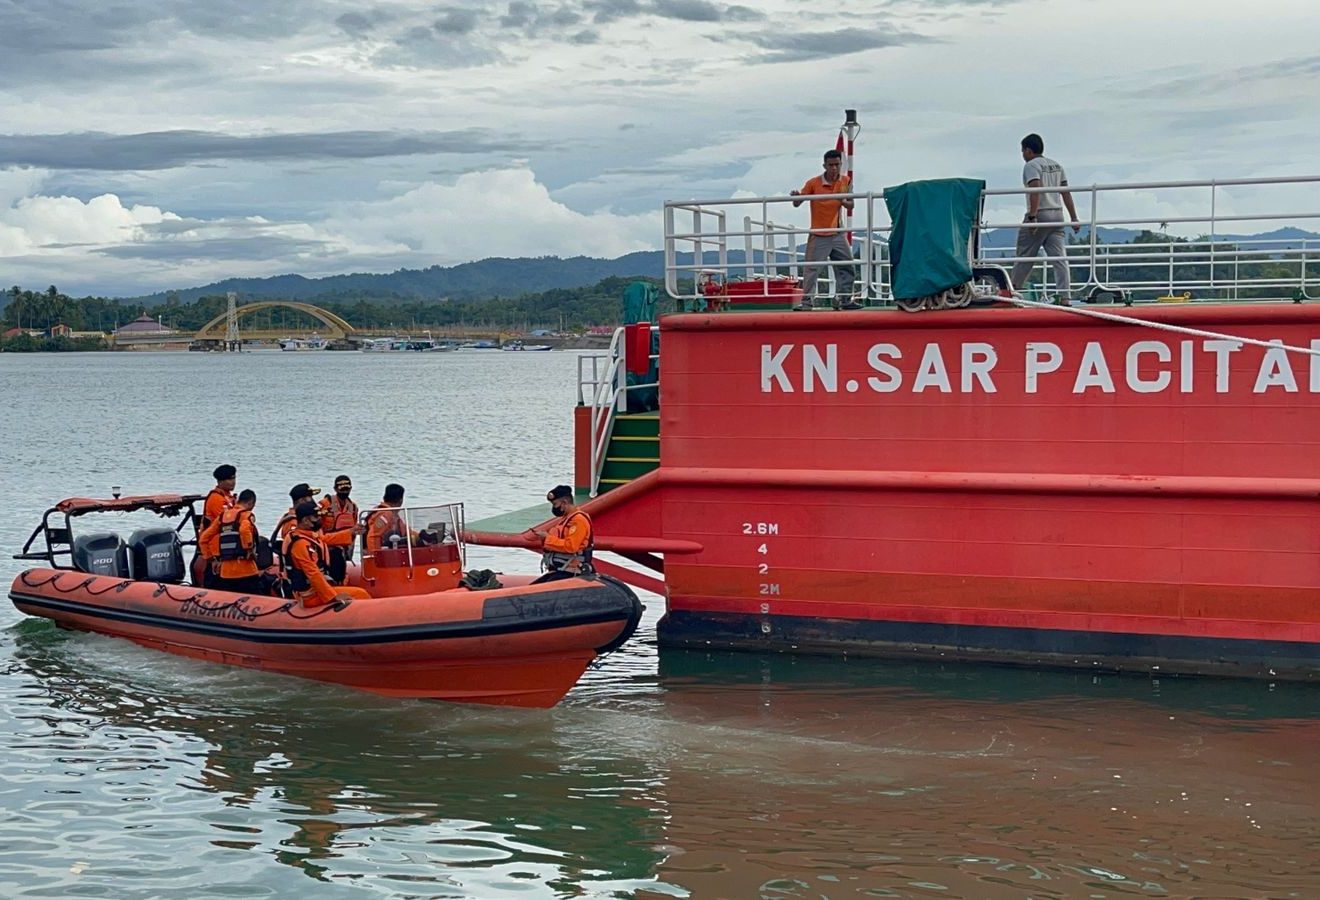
337 786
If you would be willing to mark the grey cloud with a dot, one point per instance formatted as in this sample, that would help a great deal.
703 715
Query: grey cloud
259 246
519 15
687 10
360 24
168 149
586 36
457 21
606 11
830 44
564 17
1210 83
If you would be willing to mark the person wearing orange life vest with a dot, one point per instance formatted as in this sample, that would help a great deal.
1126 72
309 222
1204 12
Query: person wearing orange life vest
219 499
567 546
232 539
307 559
385 527
338 512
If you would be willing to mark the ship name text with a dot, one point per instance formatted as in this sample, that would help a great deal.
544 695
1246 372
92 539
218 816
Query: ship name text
970 367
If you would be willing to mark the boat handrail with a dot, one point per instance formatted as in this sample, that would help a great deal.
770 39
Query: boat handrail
1224 266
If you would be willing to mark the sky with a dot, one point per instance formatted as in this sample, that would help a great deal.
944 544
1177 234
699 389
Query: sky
156 144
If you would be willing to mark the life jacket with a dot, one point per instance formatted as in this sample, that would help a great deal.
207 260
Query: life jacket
553 560
231 535
336 516
298 579
392 528
229 498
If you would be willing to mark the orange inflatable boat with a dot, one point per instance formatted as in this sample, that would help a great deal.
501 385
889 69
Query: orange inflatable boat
422 633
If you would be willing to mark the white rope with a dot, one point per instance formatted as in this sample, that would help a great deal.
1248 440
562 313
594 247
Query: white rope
1163 326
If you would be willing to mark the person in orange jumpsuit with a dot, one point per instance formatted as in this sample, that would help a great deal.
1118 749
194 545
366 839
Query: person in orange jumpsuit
338 511
231 540
307 558
219 499
567 545
385 526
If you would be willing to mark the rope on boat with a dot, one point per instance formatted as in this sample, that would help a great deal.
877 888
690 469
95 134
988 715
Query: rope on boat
1162 326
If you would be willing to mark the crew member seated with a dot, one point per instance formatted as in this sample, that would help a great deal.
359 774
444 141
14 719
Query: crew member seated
308 559
386 528
568 544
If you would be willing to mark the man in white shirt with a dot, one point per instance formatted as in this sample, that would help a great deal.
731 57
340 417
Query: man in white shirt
1044 207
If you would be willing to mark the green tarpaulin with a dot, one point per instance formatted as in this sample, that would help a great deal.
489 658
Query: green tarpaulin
933 222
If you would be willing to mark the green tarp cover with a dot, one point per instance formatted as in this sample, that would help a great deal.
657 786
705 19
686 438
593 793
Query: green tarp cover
933 222
639 303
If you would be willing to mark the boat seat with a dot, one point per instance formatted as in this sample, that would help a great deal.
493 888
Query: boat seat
101 554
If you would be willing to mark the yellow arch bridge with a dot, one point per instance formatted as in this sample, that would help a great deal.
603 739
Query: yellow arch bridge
336 329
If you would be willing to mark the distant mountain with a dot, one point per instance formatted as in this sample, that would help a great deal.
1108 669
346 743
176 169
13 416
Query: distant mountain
497 276
1291 238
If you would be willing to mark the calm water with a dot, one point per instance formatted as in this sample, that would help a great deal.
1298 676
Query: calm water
131 774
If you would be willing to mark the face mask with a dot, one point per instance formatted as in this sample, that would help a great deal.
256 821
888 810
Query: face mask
316 526
554 509
343 495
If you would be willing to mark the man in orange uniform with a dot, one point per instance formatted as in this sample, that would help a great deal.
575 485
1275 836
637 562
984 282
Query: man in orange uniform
338 511
232 541
308 557
827 241
219 499
385 527
297 494
567 546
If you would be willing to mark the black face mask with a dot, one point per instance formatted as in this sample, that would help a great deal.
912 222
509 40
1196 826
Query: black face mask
343 495
316 526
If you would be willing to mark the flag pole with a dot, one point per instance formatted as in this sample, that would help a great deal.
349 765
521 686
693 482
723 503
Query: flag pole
847 137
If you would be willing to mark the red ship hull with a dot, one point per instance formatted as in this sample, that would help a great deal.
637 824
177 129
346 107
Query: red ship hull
1001 484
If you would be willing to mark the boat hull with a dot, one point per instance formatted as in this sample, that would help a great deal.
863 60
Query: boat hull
1007 485
524 646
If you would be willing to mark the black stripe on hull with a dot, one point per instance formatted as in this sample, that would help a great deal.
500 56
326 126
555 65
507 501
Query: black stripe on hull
568 610
1165 654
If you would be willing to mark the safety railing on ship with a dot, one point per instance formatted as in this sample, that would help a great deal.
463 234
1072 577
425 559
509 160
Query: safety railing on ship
603 386
1142 260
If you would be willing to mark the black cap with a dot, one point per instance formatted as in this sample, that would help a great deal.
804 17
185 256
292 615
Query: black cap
560 492
343 481
224 473
305 509
393 493
302 489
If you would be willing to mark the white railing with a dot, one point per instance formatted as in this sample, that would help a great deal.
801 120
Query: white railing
603 385
608 392
1212 265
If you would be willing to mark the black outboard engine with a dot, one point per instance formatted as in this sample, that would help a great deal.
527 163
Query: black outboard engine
156 555
101 554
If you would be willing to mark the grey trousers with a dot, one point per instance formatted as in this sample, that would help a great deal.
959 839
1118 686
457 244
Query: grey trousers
1029 242
831 247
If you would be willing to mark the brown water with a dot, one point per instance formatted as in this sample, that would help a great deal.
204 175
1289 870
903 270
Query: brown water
132 774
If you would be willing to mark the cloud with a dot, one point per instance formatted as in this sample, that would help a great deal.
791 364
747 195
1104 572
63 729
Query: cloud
702 11
104 246
456 21
786 47
167 149
1299 70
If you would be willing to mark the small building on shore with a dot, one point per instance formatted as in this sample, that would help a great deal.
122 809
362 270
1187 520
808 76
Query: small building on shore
143 326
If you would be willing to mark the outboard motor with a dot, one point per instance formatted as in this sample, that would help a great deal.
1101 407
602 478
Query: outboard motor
156 555
101 554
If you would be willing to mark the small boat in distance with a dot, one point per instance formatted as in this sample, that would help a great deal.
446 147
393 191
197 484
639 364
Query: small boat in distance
315 342
520 346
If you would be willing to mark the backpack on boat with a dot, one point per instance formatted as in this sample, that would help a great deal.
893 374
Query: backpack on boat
480 580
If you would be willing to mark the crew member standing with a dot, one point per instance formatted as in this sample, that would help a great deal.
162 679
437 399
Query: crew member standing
233 540
338 512
219 499
828 241
567 545
308 559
